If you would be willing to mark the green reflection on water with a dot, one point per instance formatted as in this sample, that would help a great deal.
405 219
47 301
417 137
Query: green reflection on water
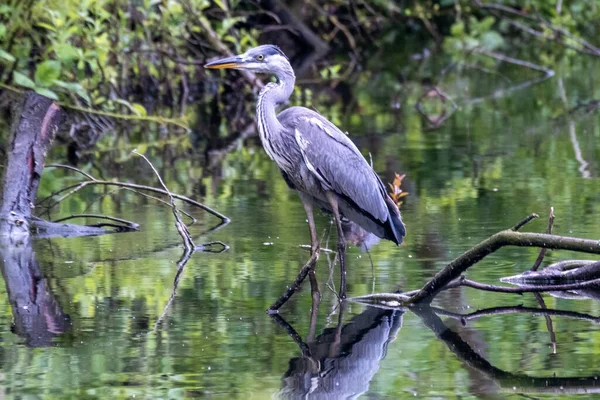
488 166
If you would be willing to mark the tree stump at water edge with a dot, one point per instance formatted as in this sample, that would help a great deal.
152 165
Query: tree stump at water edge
36 120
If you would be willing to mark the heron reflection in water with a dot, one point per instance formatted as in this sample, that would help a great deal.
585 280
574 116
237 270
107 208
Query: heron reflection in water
340 362
315 157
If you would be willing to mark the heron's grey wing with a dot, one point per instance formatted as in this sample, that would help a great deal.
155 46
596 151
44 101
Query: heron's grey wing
332 157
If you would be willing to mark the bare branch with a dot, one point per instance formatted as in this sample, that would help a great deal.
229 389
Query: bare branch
79 186
126 223
188 242
72 169
296 285
504 238
542 254
516 61
524 221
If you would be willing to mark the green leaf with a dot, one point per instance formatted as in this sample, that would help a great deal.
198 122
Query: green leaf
141 149
75 88
7 56
46 92
22 80
47 72
65 52
139 109
46 26
492 40
457 29
221 5
135 108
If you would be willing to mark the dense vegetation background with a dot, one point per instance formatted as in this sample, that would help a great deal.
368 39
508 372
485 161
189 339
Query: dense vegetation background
132 56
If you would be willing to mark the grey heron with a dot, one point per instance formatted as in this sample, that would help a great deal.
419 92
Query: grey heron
315 157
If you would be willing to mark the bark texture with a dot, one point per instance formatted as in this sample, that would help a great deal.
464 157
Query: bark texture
36 120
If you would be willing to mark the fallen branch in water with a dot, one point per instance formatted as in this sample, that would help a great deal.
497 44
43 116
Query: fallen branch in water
495 242
450 276
562 272
120 223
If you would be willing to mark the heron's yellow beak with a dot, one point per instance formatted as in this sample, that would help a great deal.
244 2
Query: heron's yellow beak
229 62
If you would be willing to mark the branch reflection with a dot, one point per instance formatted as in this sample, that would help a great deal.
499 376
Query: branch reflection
507 381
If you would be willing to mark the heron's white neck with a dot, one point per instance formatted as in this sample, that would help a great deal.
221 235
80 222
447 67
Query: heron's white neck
271 96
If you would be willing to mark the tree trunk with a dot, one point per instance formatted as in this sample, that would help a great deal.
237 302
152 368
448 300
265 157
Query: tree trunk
36 120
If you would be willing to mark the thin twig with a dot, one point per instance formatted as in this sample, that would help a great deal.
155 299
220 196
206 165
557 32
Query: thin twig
128 224
194 220
206 247
516 61
542 254
586 47
188 242
293 334
515 310
323 250
72 169
525 221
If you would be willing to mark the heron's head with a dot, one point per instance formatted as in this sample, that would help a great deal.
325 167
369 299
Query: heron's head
266 59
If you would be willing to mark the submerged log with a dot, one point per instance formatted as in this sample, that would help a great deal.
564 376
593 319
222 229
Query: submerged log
563 272
36 120
583 276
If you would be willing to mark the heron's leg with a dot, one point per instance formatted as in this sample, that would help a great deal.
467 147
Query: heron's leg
308 268
333 202
314 247
308 207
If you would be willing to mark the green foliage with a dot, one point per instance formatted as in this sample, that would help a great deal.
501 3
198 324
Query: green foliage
107 53
101 50
472 33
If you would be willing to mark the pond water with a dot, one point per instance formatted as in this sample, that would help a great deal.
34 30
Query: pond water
93 317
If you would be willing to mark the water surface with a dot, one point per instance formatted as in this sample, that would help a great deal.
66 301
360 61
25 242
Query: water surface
93 330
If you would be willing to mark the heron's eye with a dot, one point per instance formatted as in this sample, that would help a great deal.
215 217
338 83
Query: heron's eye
260 57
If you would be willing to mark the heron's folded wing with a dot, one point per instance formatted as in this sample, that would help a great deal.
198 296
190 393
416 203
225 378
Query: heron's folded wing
339 165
